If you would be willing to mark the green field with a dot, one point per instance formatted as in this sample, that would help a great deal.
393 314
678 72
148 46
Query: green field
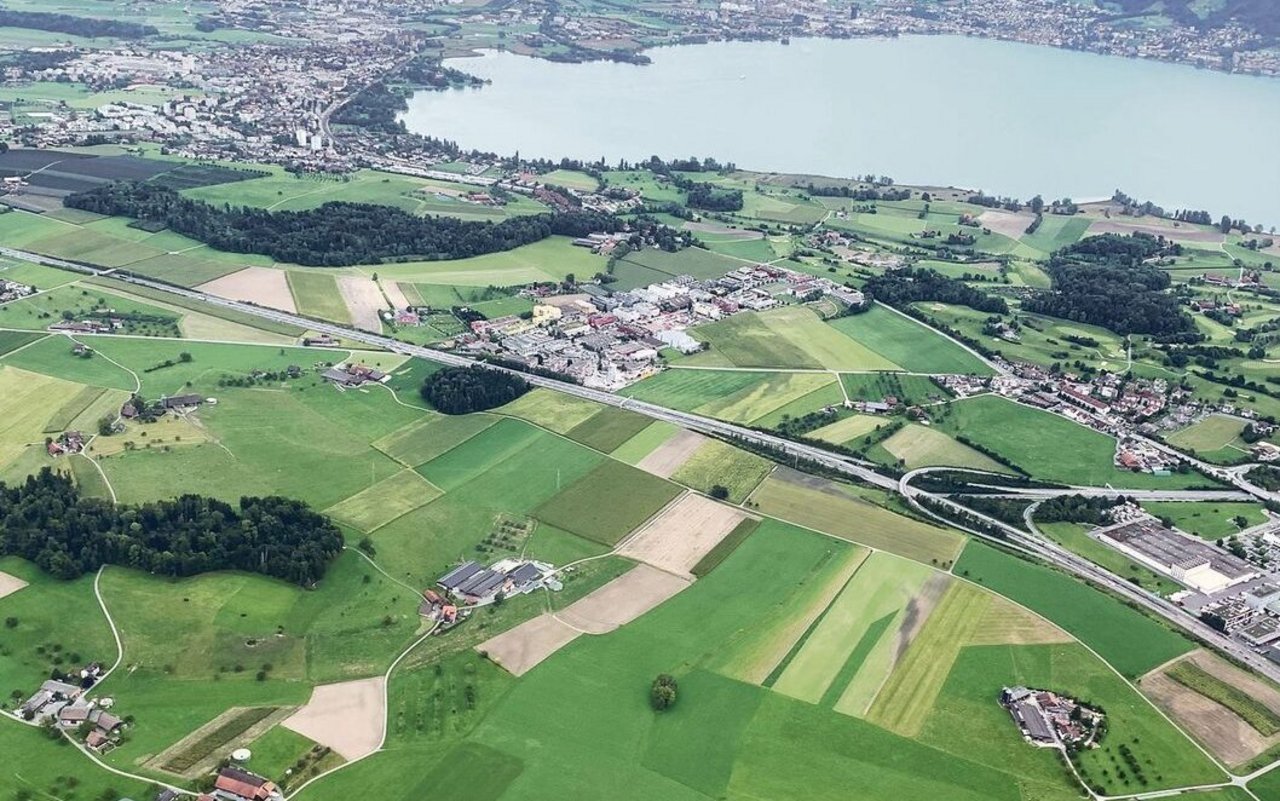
12 340
608 503
833 509
1208 519
717 463
316 295
917 446
648 440
1215 438
847 430
1127 639
1048 446
908 344
791 337
882 587
556 411
608 429
423 440
383 502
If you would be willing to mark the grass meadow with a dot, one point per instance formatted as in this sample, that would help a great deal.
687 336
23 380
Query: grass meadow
1127 639
1048 446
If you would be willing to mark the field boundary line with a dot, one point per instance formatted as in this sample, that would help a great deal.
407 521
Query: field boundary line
386 707
21 348
948 337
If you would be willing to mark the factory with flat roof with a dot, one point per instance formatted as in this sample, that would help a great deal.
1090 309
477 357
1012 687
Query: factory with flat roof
1187 560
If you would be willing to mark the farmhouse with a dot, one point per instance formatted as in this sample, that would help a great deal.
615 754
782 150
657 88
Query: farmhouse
476 585
1187 560
354 375
1047 719
234 784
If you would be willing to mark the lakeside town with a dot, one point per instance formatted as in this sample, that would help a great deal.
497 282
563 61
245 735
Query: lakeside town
280 99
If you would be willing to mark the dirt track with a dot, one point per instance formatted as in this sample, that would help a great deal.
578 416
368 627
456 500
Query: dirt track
10 584
261 285
671 455
682 533
349 717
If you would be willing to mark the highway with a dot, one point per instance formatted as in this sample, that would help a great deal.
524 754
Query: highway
849 466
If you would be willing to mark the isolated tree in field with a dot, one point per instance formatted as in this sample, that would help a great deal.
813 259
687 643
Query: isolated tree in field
662 695
719 492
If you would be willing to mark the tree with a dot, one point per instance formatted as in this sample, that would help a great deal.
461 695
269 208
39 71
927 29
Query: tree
462 390
662 695
719 492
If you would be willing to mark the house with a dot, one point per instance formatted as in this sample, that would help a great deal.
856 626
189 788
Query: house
234 784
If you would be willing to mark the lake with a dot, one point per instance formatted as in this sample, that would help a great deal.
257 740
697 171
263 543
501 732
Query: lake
1009 118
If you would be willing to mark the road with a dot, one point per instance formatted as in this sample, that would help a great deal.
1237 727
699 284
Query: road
854 468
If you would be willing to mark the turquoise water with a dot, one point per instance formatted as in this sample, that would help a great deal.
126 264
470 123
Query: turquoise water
1008 118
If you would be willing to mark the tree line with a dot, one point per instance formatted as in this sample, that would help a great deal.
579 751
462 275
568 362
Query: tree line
1105 281
47 521
75 26
909 285
337 234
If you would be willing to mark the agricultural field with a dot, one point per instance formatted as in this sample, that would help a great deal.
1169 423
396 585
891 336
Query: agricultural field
1209 519
792 337
316 294
908 344
1215 438
717 463
1048 446
832 508
919 446
1127 639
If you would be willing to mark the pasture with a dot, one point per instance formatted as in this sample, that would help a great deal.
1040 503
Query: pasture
1215 438
316 294
919 446
1208 519
609 502
555 411
548 260
422 440
608 428
372 508
645 442
837 647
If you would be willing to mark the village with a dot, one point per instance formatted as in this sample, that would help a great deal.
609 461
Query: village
607 340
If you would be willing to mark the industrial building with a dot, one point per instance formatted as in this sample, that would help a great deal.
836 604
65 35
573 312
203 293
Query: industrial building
1187 560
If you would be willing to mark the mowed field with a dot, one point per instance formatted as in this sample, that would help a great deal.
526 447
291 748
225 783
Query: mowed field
825 506
1215 438
790 337
907 343
738 396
